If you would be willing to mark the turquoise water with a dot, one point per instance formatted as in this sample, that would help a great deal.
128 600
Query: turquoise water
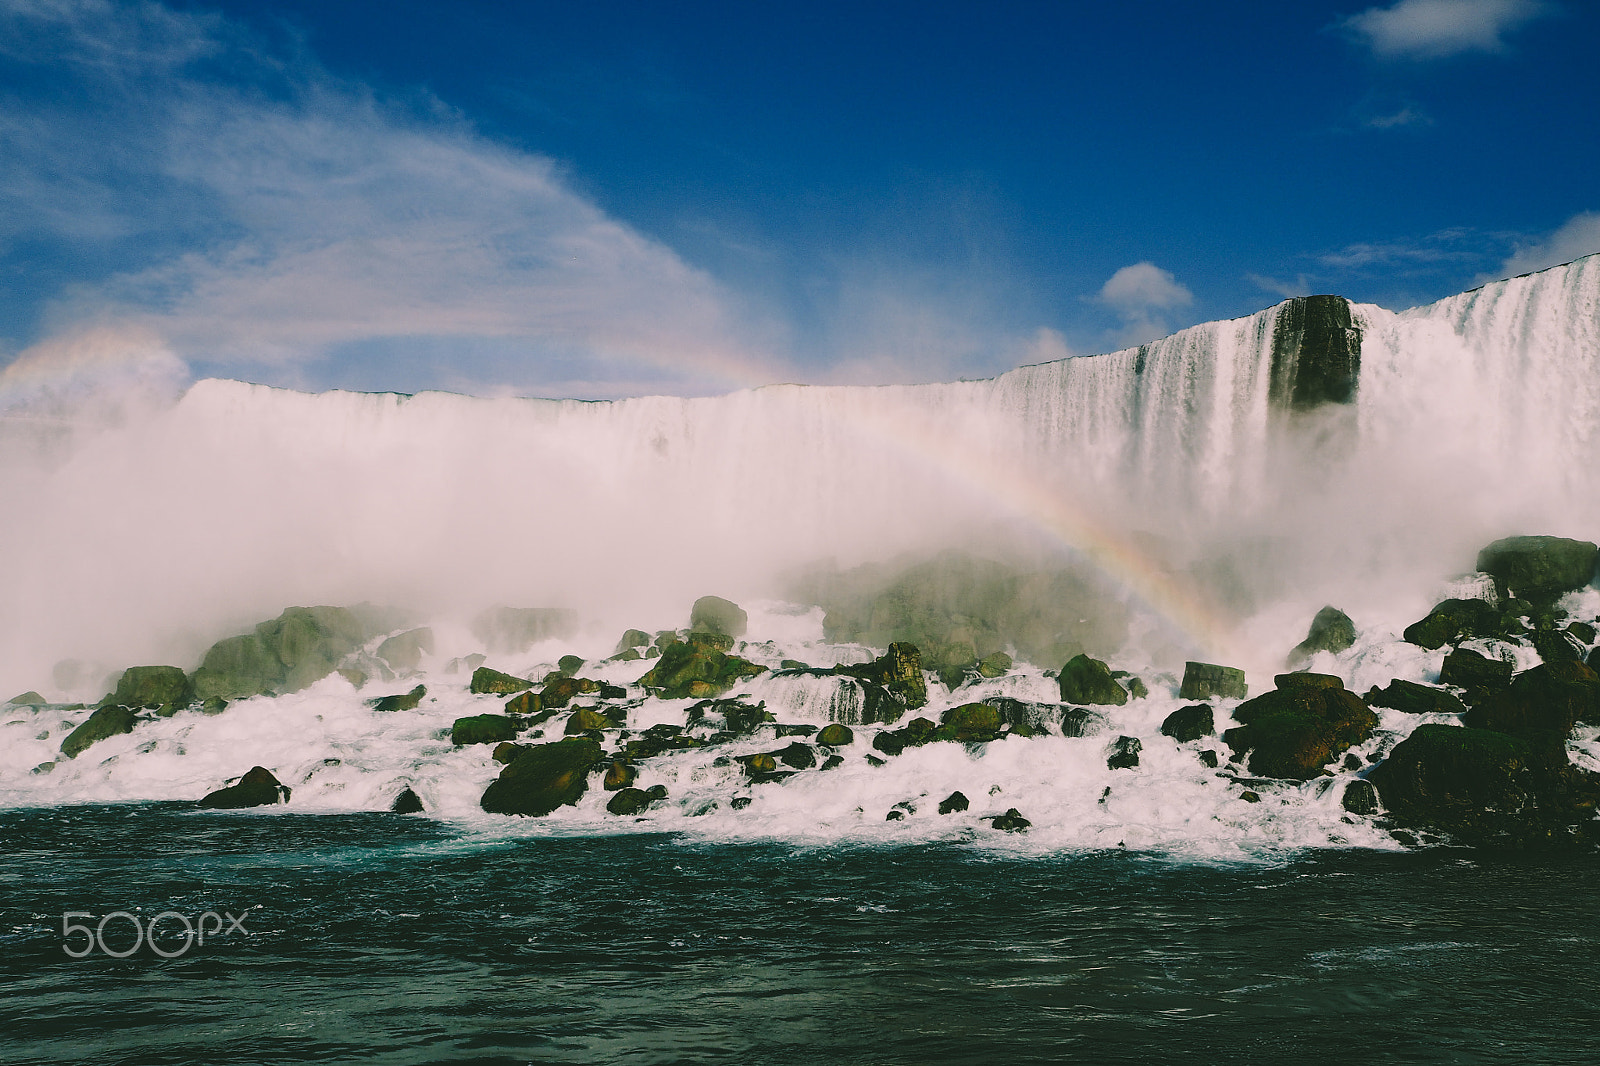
401 940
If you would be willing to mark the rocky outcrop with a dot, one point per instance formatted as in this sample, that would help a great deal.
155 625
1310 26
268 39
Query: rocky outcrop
300 647
1542 704
492 682
257 788
1414 698
1294 732
713 614
1316 353
104 722
899 673
698 668
164 689
1204 681
544 777
1453 621
1468 669
1189 723
407 701
971 722
1539 569
404 651
1331 631
1086 680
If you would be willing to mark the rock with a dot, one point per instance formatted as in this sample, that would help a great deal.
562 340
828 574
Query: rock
739 803
404 651
1124 754
151 687
104 722
1306 679
713 614
1360 797
28 699
1208 758
1331 631
1412 698
585 720
257 788
507 751
513 630
1469 670
632 639
742 717
214 705
300 647
1487 787
1081 722
1204 681
1012 821
557 693
696 669
1582 632
656 792
628 655
1539 569
836 736
1250 797
1556 647
995 664
1025 716
889 743
956 801
1549 699
1189 723
792 664
629 801
406 702
544 777
466 662
407 802
492 682
1316 354
619 775
894 816
1086 680
797 755
970 722
528 704
570 664
1295 732
760 763
899 672
1137 688
483 729
1452 621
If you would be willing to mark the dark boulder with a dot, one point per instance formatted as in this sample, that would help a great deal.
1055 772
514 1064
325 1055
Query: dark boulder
889 743
1306 679
797 755
970 722
544 777
697 668
1549 699
486 681
407 802
1412 698
1582 632
1086 680
1360 797
257 788
1486 787
1467 669
405 702
956 801
1452 621
836 736
629 801
1295 732
1081 722
1554 647
1012 821
558 692
104 722
713 614
898 672
1539 569
1331 630
619 775
1204 681
483 729
1189 723
585 720
1124 754
1024 716
507 751
152 687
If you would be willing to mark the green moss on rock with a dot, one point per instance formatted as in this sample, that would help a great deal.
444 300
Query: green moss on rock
104 722
486 681
544 777
483 729
1086 680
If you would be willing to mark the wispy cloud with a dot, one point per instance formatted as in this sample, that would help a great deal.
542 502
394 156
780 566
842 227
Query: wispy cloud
1431 29
289 214
1142 295
1577 237
1406 116
1287 289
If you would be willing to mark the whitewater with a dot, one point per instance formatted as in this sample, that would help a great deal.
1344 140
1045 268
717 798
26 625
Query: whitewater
1224 518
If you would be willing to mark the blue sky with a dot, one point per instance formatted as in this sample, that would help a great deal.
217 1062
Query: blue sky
608 199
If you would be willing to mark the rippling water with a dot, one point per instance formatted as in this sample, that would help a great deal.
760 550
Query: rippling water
387 939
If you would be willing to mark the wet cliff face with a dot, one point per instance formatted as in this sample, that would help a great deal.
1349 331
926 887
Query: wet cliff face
1316 353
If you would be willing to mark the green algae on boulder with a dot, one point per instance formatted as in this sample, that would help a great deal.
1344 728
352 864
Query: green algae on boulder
544 777
1331 631
1294 732
697 668
898 672
152 687
486 681
1204 681
1086 680
970 722
836 736
713 614
300 647
483 729
630 801
257 788
105 722
1539 569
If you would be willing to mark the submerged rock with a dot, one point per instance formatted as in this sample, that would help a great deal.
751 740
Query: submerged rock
1204 681
1124 754
1012 821
544 777
104 722
1294 732
956 801
152 687
1086 680
1487 787
1539 569
405 702
1331 631
257 788
713 614
486 681
407 802
1413 698
1189 723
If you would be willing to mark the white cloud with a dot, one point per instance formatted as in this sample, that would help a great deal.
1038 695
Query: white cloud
1427 29
1139 294
1406 116
1287 289
1578 236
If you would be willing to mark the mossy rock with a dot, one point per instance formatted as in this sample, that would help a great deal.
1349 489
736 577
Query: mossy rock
490 682
619 775
696 669
632 639
526 704
995 664
28 699
1414 698
1555 647
1189 723
257 788
713 614
1453 621
104 722
569 665
483 729
507 751
1487 787
544 777
585 720
898 672
970 722
404 651
836 736
1295 732
1470 670
408 701
1204 681
1548 699
151 687
559 692
1539 569
300 647
1086 680
1331 631
630 801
